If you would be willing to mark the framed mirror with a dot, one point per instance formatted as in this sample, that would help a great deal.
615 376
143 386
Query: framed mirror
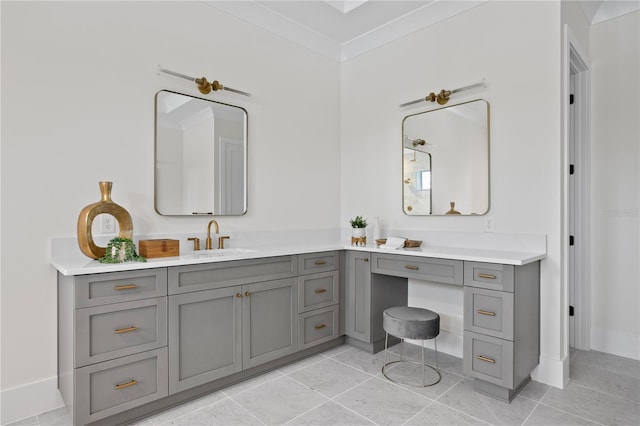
445 161
200 156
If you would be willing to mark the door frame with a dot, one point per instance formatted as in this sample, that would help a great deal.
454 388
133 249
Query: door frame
576 136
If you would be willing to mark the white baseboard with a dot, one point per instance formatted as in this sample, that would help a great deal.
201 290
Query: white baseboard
615 342
29 400
552 372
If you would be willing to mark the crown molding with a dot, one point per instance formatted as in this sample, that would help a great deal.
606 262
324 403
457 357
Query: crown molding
255 13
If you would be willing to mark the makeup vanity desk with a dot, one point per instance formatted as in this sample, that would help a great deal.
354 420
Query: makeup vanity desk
501 306
133 336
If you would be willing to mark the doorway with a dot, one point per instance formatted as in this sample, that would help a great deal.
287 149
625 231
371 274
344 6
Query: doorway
577 199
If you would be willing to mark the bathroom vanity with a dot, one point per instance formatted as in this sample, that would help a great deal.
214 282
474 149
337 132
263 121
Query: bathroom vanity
136 338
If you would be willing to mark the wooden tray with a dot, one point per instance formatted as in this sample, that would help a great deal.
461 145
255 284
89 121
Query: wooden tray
407 243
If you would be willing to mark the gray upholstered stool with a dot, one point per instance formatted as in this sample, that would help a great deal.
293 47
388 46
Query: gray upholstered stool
411 323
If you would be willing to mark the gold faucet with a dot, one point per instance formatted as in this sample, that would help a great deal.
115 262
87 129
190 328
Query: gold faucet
208 240
221 238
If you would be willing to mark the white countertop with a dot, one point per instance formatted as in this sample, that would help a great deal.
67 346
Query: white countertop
81 265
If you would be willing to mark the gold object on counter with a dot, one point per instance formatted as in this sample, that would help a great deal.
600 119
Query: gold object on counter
89 213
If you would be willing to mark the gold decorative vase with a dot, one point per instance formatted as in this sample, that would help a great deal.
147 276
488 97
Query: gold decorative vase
89 213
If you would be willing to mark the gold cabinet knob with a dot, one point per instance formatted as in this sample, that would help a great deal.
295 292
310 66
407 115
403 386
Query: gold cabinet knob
246 293
238 295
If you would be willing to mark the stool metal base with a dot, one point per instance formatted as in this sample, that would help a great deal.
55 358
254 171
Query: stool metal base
424 384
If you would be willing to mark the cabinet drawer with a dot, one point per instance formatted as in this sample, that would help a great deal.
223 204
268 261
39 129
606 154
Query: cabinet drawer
318 290
111 387
318 262
317 326
489 312
428 269
230 273
488 358
492 276
115 287
111 331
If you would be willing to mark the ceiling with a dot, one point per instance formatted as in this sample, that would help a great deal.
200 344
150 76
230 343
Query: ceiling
342 30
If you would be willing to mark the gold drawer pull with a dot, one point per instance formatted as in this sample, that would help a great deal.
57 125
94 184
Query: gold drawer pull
486 359
320 262
125 330
320 326
238 295
126 385
125 287
491 314
246 293
412 267
488 276
320 290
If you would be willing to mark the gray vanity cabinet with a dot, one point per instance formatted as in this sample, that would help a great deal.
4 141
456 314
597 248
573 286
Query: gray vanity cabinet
135 342
112 342
218 328
318 298
501 326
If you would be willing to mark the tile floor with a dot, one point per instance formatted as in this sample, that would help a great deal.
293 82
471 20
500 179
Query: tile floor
343 386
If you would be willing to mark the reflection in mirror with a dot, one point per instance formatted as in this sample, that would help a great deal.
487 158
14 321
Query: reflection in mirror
446 160
417 179
200 156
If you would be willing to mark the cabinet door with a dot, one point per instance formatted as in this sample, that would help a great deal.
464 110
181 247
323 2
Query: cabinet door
358 296
269 311
204 337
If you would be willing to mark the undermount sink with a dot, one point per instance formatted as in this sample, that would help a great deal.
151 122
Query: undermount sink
220 252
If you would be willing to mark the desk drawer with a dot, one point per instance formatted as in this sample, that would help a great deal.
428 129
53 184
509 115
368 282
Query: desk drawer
318 290
492 276
111 387
210 276
317 326
489 312
116 287
318 262
421 268
489 359
111 331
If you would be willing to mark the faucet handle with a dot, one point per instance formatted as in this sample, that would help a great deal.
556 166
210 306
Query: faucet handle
221 241
196 243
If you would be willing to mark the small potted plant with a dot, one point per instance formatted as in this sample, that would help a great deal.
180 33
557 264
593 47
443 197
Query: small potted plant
358 232
120 250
